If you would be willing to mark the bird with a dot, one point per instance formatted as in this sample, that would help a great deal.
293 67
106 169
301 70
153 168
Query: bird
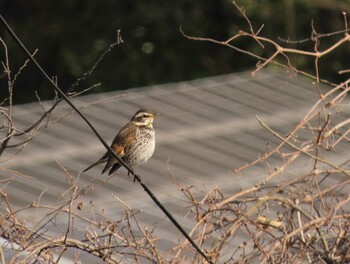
134 143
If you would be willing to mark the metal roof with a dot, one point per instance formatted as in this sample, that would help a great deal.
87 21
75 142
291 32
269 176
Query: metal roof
206 128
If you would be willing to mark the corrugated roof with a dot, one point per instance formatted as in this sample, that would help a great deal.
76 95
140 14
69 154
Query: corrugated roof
206 128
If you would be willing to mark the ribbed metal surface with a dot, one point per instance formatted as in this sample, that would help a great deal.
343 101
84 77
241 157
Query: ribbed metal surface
206 128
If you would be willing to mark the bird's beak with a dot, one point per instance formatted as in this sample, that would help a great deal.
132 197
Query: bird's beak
155 114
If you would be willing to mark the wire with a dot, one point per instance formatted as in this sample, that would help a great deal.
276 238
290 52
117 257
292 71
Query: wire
130 170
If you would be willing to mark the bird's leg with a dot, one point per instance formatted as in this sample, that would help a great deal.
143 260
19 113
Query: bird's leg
133 173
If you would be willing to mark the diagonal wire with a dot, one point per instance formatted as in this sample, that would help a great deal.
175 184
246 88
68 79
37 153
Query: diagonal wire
130 170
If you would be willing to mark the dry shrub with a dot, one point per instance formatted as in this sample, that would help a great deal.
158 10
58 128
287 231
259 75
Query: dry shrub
304 219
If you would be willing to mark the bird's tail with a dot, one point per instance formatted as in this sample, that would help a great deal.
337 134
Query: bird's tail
112 162
94 164
114 168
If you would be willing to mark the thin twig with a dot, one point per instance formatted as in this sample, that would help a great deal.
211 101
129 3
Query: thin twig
346 172
124 164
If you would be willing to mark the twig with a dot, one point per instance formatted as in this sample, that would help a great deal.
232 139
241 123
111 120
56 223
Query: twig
347 173
130 170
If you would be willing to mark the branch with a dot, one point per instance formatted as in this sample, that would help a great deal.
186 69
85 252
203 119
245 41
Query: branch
347 173
124 164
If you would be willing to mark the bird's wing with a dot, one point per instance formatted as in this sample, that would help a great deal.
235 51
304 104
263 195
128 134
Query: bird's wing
124 139
120 144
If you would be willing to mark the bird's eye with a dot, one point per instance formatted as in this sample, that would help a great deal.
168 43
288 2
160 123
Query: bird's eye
144 116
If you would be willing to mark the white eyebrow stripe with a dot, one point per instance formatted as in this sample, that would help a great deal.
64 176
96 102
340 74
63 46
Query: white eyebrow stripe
142 114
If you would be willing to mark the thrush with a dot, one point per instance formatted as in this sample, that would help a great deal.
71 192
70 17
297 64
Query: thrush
134 143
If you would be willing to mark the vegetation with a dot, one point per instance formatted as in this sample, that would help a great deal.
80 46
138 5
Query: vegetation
70 35
302 220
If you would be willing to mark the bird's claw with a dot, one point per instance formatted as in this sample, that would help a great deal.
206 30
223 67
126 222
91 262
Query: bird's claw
133 173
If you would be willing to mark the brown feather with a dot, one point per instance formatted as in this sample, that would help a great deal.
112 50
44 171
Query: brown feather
122 142
123 139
